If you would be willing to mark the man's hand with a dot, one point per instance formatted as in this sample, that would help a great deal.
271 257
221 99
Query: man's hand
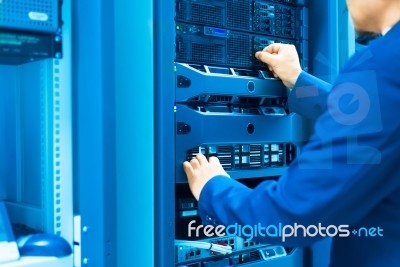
200 170
283 61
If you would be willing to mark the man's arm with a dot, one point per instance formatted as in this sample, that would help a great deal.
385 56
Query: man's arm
344 171
307 94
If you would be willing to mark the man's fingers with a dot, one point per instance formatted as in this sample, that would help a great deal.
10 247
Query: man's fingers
214 160
273 48
201 158
195 164
266 57
187 167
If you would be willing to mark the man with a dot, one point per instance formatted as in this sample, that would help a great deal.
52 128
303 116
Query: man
347 174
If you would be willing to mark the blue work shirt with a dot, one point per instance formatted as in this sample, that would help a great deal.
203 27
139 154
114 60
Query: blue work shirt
347 174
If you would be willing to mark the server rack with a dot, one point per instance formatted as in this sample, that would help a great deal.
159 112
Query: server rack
191 105
36 139
226 105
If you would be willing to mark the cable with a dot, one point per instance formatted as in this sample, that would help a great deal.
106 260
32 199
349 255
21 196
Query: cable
205 245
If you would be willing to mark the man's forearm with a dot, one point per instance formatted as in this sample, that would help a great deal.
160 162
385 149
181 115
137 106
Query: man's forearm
308 97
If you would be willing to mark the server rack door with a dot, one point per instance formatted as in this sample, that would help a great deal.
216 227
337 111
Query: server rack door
135 140
94 131
164 133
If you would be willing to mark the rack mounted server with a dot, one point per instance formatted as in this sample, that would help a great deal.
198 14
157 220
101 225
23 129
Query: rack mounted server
228 105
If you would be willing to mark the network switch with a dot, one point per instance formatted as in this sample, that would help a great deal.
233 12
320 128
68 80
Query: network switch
187 253
22 47
243 252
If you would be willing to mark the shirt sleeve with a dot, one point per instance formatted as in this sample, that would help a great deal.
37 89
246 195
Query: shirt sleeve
345 169
308 97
